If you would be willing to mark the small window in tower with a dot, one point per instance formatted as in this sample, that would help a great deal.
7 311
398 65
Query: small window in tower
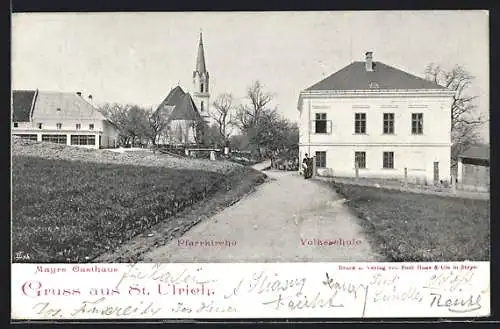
201 87
201 106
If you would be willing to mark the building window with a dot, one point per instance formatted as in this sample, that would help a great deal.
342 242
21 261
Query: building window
59 125
201 106
417 123
388 160
320 159
320 123
360 159
31 137
82 140
201 87
360 123
78 126
388 123
58 110
16 125
91 126
59 139
39 126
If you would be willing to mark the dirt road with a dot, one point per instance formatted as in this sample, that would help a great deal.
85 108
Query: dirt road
286 220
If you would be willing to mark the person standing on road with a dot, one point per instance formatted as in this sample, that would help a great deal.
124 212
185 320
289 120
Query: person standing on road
305 166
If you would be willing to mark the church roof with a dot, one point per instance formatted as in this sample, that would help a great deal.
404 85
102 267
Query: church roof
355 77
185 109
173 98
200 59
179 105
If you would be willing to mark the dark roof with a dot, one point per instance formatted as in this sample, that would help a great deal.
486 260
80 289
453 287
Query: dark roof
355 77
185 110
22 101
173 98
477 152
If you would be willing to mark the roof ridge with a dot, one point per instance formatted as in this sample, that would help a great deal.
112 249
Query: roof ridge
354 76
408 73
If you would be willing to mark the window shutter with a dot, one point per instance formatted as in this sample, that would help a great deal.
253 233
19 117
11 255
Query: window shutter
329 126
312 129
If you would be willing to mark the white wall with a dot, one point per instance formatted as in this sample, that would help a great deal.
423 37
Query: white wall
108 133
173 137
340 161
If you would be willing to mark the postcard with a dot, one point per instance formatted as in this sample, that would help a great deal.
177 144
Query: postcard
204 165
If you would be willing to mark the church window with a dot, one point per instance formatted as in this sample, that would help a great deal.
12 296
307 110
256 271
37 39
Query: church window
201 106
201 87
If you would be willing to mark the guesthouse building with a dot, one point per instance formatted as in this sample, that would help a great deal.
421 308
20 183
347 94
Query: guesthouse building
61 117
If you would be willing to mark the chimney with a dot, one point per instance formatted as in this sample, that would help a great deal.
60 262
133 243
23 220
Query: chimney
368 61
79 93
90 97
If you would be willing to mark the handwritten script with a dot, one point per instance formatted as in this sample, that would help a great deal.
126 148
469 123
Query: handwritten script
251 290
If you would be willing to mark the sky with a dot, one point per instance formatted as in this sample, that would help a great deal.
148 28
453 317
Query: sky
139 57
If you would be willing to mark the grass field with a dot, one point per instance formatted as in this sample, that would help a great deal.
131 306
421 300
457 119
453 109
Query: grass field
73 211
416 227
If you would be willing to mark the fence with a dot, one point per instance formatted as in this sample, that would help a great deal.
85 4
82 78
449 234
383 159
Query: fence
404 185
405 182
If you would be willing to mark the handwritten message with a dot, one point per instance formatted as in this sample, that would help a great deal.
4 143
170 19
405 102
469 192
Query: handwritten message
140 291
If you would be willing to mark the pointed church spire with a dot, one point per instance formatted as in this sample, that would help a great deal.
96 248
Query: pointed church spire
200 60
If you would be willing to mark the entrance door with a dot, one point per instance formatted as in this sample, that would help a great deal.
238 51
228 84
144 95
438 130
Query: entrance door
436 172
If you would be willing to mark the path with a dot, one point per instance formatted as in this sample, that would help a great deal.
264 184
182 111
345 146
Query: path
275 224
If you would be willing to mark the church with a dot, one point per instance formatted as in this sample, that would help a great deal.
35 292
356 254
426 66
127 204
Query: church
186 114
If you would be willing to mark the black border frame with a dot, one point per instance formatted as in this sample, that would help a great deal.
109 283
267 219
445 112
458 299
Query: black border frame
17 6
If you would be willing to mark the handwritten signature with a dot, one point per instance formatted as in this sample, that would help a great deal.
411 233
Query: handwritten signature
358 290
262 282
457 304
158 273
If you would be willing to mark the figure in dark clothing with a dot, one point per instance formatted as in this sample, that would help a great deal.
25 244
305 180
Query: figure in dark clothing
307 166
310 167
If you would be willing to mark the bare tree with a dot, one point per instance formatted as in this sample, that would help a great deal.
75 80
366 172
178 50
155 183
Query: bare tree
137 124
118 114
249 114
223 116
158 123
200 129
464 116
179 133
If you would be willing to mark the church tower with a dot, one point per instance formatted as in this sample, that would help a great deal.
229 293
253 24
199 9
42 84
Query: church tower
201 82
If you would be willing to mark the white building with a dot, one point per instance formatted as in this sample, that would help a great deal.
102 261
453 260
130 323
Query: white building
61 117
384 119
